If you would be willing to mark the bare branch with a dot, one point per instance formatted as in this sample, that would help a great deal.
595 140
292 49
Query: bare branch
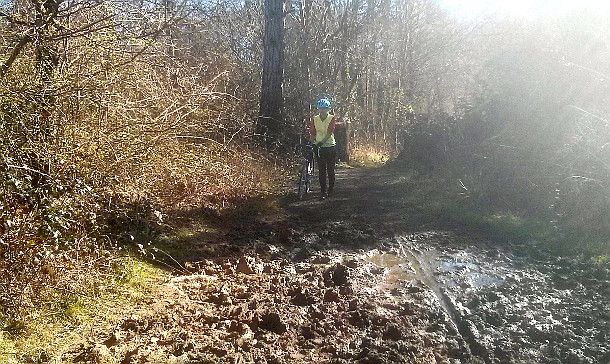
12 20
14 54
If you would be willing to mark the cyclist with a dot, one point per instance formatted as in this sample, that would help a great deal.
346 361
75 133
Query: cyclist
321 131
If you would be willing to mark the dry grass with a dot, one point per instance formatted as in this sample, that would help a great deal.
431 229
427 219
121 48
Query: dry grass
369 155
173 173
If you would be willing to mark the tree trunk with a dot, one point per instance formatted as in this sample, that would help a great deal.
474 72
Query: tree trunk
342 137
270 120
304 54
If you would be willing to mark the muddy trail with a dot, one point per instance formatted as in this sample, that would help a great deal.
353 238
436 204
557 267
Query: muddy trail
365 276
509 302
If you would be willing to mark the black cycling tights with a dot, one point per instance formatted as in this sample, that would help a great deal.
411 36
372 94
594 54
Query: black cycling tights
326 164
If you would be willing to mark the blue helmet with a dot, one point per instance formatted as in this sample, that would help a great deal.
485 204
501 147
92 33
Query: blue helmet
323 103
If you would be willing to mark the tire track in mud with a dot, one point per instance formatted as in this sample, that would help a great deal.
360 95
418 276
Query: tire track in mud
417 260
371 187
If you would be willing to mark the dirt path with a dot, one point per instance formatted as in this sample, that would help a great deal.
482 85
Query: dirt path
365 276
363 196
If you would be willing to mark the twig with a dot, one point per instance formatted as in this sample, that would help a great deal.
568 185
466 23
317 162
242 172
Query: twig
233 136
197 137
184 270
29 169
14 54
462 184
590 114
586 69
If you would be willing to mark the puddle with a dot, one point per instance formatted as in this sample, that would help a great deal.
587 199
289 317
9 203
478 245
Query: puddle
386 260
472 274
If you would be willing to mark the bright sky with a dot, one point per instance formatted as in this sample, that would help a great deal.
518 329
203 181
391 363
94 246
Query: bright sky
525 8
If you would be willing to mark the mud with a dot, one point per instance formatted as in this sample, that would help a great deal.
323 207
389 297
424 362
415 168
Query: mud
364 277
520 304
306 302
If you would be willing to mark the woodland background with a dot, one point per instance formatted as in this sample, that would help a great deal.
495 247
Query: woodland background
118 112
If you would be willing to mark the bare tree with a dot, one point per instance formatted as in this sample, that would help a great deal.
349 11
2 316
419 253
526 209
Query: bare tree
382 62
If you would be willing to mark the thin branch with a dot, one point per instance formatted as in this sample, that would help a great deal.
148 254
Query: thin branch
197 137
12 20
86 29
590 114
29 170
233 136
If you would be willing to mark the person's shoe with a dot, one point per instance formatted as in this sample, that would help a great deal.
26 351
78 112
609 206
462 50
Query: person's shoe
323 196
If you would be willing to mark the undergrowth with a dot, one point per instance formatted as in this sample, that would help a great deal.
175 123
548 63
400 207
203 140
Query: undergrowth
59 284
71 206
445 200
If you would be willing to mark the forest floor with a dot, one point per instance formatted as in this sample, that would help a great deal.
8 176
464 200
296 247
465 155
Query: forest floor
369 275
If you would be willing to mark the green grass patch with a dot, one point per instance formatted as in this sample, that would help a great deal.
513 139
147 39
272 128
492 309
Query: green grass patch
502 225
438 198
8 350
135 276
70 316
587 242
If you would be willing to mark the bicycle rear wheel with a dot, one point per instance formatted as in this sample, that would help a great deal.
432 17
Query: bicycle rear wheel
310 172
304 183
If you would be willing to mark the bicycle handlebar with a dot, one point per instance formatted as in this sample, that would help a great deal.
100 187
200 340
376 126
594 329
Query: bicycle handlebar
305 145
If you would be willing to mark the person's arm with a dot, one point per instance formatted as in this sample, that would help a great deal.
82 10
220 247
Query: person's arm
312 131
330 131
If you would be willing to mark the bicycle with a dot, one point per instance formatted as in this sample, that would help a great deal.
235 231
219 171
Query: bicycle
306 173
